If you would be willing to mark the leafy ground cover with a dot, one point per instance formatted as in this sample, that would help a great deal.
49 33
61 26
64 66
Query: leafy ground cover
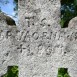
12 72
63 72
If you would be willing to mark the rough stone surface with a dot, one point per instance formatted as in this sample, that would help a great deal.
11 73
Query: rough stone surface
41 46
8 44
45 45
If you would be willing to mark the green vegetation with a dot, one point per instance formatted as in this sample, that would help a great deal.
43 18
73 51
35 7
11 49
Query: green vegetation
12 72
63 72
68 11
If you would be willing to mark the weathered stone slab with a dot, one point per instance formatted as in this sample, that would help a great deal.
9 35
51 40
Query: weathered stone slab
8 43
41 46
45 45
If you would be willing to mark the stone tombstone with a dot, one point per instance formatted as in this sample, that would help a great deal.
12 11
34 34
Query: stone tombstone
45 45
40 46
8 43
